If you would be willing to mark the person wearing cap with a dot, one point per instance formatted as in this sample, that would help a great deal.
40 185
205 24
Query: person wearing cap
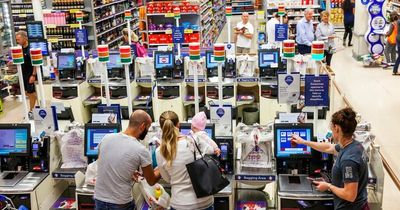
199 122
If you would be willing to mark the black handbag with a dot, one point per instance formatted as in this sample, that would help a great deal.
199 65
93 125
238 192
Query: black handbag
205 175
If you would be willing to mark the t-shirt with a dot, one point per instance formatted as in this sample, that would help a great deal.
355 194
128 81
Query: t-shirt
119 157
348 17
271 30
351 166
27 68
183 196
242 41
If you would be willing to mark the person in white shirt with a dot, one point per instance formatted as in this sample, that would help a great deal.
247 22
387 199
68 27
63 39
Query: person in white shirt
172 156
271 29
244 31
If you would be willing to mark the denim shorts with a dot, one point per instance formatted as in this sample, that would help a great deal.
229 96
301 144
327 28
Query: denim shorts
100 205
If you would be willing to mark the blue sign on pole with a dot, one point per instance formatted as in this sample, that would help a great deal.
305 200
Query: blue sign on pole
317 90
178 35
281 32
81 36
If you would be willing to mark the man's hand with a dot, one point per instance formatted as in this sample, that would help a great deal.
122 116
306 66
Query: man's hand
136 175
321 186
217 152
32 79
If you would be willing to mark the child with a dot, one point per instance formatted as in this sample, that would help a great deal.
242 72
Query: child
390 50
199 122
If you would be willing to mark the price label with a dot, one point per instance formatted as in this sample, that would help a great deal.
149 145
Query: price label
188 31
51 26
169 15
168 31
74 10
73 40
260 15
75 25
52 40
171 45
22 15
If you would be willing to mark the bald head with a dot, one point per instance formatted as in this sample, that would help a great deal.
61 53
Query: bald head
138 118
308 14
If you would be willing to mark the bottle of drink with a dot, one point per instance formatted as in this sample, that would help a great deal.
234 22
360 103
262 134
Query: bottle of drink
158 192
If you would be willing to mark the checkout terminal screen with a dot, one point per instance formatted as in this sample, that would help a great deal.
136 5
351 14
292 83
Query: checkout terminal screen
267 58
164 61
66 61
115 62
42 45
284 146
94 137
13 141
210 62
186 131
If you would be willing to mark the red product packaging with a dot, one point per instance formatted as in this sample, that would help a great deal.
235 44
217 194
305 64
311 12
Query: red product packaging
187 38
163 39
195 8
194 37
169 38
154 39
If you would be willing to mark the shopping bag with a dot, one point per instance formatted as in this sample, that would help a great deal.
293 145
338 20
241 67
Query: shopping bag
148 193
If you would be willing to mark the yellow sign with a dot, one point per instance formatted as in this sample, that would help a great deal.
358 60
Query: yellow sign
52 40
168 31
22 15
188 31
51 26
169 15
260 15
76 25
74 10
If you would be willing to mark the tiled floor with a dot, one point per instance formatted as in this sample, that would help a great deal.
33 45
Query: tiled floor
373 92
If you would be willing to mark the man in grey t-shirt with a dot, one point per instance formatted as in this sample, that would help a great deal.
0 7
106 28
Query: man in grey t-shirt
120 156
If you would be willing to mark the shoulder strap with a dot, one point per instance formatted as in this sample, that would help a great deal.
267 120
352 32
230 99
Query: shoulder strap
197 147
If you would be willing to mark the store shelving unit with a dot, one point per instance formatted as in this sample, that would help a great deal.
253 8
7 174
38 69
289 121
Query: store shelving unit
202 21
22 11
240 6
104 21
336 13
6 31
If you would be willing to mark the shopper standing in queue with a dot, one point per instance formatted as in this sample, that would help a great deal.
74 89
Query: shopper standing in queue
350 170
348 19
120 156
172 156
244 32
326 32
390 48
28 72
305 32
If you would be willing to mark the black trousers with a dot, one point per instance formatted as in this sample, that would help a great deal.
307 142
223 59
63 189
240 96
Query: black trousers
303 49
348 30
328 57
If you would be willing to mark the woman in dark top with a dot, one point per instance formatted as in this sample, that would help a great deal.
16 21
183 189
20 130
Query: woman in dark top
350 171
348 11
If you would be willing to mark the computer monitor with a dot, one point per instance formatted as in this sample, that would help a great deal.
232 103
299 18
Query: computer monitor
164 64
14 139
269 62
42 45
94 134
115 67
284 148
35 29
185 128
66 65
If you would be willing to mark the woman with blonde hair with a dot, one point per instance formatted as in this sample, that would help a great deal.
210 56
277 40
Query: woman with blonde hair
172 156
137 49
326 32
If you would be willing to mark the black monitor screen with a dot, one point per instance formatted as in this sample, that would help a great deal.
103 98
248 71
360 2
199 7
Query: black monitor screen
42 45
284 148
14 138
267 58
210 62
185 128
94 134
115 62
66 61
35 30
163 60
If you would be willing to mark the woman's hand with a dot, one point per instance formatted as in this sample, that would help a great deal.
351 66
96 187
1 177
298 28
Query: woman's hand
32 79
322 186
297 139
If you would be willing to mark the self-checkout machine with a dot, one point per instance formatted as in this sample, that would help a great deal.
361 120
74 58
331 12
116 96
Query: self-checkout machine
25 158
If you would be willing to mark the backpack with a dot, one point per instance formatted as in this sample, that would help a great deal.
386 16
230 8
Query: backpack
392 37
140 50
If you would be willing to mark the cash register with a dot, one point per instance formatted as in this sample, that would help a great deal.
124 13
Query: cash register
295 165
94 134
212 65
269 62
164 64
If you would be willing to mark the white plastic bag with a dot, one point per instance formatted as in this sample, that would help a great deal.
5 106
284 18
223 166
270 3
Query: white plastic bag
148 193
145 66
91 174
72 149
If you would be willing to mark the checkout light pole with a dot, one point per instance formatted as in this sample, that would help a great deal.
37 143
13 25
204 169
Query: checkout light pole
18 59
219 57
228 13
79 19
126 59
317 55
194 55
37 61
104 57
289 49
177 15
128 17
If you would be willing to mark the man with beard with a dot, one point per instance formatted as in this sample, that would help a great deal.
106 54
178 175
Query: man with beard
120 156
